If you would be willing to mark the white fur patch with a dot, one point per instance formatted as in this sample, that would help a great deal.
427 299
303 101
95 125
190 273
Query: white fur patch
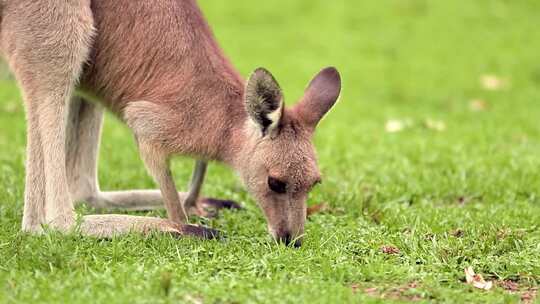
275 116
252 129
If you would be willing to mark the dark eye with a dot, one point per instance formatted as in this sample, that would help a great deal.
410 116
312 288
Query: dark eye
276 185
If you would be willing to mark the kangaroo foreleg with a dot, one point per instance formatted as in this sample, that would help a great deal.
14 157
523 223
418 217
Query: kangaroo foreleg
195 185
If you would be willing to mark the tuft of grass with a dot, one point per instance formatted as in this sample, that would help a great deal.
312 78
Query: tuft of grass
441 198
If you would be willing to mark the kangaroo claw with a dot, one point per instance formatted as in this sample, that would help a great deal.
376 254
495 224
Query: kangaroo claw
220 204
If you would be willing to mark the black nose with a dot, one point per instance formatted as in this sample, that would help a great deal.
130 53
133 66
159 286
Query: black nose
287 239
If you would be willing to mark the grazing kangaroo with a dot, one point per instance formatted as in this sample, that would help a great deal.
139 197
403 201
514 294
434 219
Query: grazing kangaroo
158 67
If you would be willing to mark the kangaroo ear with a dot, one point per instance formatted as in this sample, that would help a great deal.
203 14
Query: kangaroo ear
319 97
264 101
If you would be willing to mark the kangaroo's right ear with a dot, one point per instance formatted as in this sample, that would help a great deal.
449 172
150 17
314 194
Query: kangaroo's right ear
264 101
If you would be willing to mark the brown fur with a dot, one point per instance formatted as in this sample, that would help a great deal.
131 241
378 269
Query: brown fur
157 65
187 82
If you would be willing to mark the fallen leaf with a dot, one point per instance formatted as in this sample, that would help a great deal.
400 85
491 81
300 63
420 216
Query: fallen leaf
476 280
493 82
316 209
389 250
397 125
469 275
503 233
478 105
436 125
457 233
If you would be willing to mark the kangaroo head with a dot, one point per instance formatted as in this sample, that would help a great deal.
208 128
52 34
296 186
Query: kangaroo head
278 163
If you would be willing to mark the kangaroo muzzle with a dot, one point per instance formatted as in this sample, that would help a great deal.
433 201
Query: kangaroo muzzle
287 238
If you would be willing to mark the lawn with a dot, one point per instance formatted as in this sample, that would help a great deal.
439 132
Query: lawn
430 161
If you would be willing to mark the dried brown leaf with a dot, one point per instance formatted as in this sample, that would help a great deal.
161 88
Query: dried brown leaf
476 280
493 82
478 105
393 126
435 125
457 233
397 125
389 250
193 299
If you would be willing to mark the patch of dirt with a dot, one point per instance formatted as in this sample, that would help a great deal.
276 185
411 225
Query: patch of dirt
406 292
509 285
529 296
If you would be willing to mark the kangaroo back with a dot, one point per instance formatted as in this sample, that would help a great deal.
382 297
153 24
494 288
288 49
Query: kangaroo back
1 11
1 18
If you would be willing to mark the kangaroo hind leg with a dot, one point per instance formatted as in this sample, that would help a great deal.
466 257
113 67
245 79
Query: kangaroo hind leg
47 68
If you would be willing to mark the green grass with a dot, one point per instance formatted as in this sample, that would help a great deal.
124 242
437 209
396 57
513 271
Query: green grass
400 59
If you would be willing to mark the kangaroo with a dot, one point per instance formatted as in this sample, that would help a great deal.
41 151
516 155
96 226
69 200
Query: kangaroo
158 67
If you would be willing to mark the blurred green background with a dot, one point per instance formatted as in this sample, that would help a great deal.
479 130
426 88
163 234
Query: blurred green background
433 149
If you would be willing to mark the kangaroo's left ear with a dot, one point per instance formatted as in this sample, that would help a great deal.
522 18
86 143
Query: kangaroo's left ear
264 101
321 94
